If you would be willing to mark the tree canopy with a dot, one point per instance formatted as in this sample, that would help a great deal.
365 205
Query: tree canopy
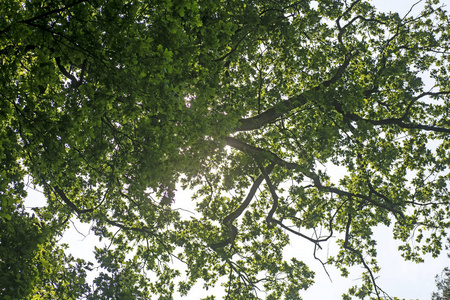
442 284
110 106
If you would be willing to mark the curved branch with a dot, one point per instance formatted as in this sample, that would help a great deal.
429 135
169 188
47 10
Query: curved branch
415 99
232 233
235 46
41 16
74 82
228 220
316 241
396 121
143 229
235 214
258 152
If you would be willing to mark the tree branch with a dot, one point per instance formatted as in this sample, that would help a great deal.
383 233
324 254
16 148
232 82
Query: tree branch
235 214
286 106
262 153
228 220
358 253
69 203
272 190
271 114
53 11
43 15
74 82
396 121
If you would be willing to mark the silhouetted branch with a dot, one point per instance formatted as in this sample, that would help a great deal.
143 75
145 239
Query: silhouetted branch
228 220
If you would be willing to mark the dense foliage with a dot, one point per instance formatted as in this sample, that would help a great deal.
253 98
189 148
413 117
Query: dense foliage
110 106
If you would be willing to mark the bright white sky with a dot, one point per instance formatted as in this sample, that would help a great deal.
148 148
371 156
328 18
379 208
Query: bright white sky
397 277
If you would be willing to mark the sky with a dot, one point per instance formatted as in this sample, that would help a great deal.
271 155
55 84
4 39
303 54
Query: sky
397 277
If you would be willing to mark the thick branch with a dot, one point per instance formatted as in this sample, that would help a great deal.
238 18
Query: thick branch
235 214
69 203
286 106
74 82
271 114
228 220
232 233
